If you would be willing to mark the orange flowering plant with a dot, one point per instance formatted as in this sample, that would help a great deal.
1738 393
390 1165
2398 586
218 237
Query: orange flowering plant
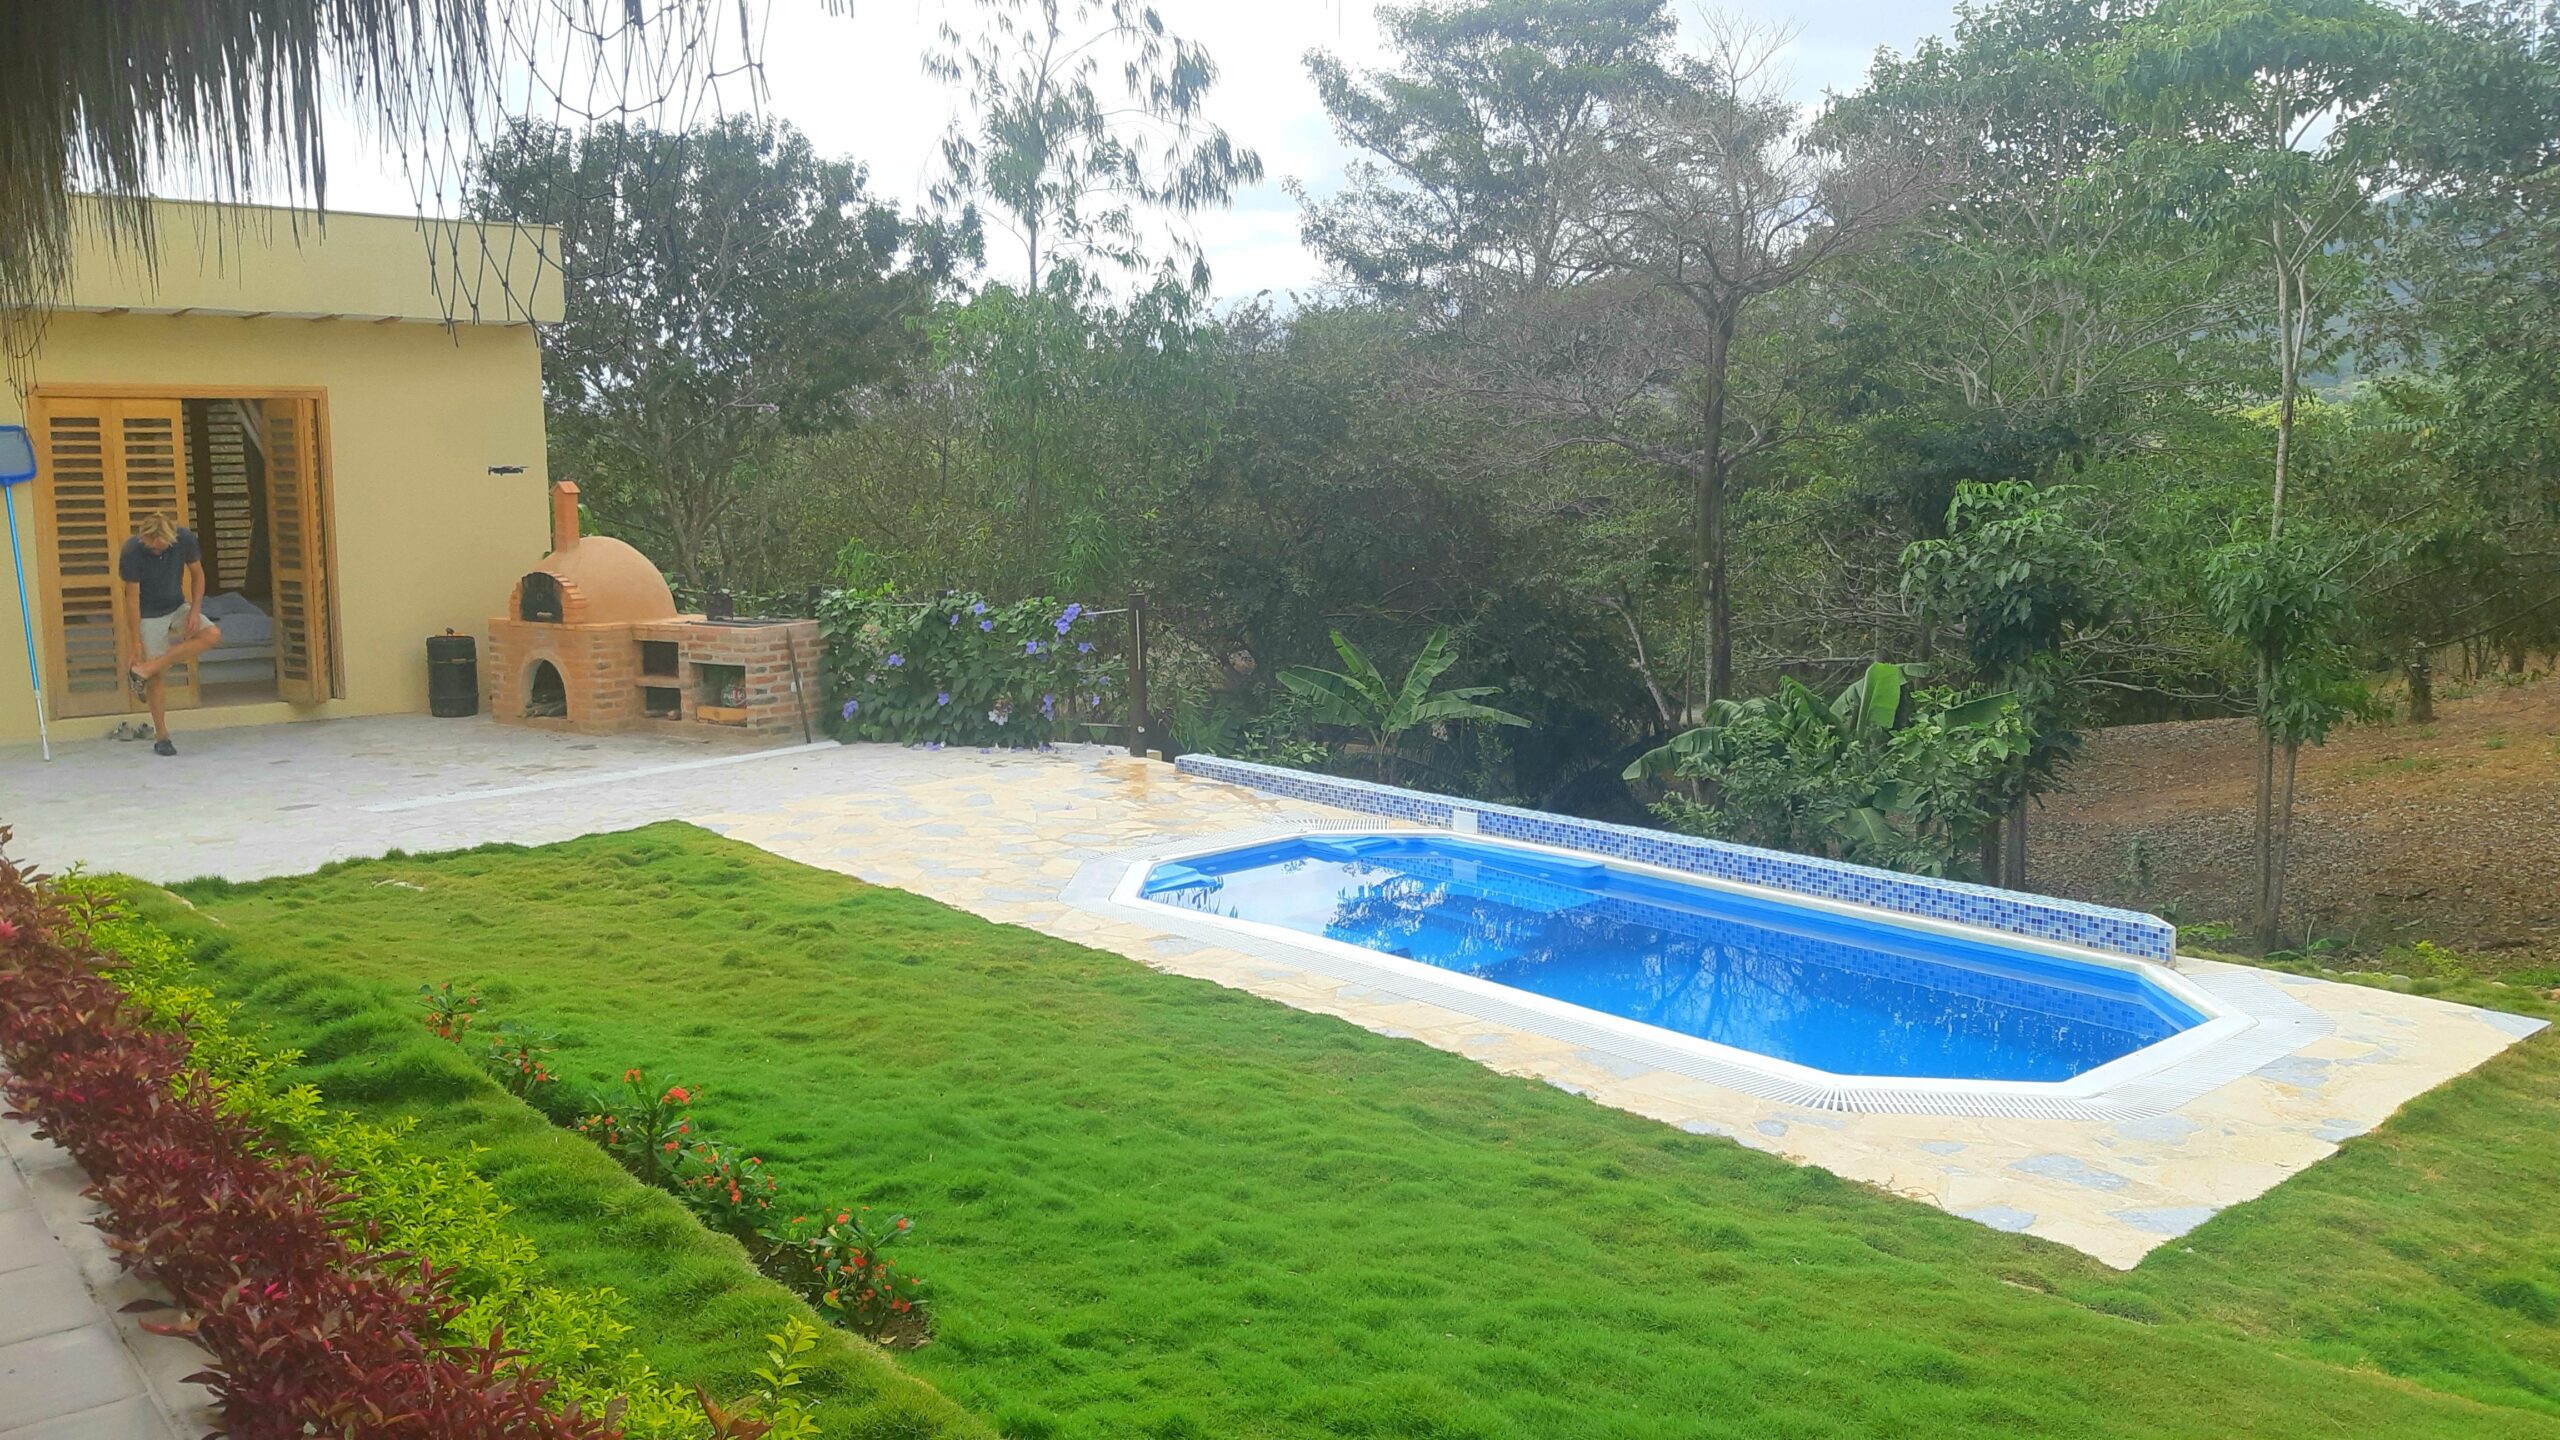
647 1132
519 1059
732 1193
448 1014
839 1264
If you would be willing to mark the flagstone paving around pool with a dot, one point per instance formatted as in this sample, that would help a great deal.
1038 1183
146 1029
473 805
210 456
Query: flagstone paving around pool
1006 836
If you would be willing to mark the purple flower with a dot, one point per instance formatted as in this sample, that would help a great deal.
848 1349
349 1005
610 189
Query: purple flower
1074 609
850 706
1084 647
1048 707
978 607
1093 702
895 660
1063 623
1030 647
986 624
942 699
955 622
933 744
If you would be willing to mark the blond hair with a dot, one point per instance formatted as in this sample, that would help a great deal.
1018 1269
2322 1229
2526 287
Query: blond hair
158 528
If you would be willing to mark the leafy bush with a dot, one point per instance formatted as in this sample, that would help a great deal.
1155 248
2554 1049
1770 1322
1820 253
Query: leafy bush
841 1262
1884 774
956 670
311 1327
406 1201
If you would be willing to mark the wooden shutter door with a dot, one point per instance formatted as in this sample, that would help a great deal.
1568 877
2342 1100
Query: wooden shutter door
296 550
149 455
80 501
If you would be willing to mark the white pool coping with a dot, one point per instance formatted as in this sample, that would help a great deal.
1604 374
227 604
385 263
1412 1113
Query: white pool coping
2248 1021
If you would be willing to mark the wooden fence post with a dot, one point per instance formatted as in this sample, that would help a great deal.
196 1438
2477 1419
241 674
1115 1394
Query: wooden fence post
1138 673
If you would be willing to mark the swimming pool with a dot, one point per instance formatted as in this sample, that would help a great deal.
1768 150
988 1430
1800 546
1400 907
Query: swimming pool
1822 986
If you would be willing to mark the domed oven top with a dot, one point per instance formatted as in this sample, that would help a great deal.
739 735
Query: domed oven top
618 584
589 579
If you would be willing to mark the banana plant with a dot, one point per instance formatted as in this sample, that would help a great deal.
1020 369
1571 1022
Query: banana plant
1358 697
1880 771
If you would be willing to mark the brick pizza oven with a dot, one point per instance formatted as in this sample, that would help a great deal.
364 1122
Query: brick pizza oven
591 641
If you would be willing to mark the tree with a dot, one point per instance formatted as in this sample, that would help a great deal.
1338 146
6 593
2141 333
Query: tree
1359 697
1486 139
1717 198
2017 569
2049 309
2283 600
726 287
1051 160
1066 172
2272 105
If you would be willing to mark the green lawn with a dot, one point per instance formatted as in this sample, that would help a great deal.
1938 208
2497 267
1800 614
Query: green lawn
1153 1207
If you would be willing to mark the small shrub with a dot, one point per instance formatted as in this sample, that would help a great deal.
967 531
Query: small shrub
518 1059
729 1193
647 1131
841 1261
448 1015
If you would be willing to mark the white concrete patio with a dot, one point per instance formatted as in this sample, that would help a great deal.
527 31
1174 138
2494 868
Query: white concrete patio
1005 835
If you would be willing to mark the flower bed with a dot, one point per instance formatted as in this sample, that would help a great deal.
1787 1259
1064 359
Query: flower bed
339 1282
958 670
838 1265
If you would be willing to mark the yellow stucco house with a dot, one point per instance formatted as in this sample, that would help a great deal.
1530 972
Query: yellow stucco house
348 415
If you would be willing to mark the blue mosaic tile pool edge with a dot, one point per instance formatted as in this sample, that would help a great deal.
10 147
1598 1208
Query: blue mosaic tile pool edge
2039 917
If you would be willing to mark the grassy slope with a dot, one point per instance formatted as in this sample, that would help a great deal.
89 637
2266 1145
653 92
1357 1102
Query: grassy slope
1155 1207
700 1311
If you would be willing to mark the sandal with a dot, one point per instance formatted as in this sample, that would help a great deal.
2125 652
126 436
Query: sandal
139 685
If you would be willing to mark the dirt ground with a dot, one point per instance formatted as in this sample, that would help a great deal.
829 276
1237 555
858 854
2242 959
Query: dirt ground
2448 832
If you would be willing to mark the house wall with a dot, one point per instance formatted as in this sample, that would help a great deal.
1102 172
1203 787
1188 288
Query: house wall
423 537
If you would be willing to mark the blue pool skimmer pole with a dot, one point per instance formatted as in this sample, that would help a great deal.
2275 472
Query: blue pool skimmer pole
18 466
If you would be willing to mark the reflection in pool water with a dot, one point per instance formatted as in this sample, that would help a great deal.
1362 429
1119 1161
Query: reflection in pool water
1846 994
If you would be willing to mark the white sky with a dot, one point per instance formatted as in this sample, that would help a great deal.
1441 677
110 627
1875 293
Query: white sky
855 85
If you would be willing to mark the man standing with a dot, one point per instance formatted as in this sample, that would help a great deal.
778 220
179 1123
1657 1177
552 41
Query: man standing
163 571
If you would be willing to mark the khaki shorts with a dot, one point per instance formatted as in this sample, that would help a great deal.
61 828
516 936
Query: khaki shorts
161 632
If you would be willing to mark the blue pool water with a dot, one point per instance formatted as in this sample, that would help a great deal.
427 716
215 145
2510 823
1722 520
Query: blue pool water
1846 994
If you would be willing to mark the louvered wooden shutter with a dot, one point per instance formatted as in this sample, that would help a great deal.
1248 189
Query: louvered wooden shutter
297 551
230 531
78 496
150 461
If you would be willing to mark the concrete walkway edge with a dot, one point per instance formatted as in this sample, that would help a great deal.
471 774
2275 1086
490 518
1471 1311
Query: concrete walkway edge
73 1365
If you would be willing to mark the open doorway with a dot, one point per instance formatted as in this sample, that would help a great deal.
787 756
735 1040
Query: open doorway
227 479
245 472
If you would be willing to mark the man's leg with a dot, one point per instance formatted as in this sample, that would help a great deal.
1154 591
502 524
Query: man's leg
152 672
206 636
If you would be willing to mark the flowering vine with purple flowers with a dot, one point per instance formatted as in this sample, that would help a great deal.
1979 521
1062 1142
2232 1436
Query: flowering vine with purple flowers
1023 675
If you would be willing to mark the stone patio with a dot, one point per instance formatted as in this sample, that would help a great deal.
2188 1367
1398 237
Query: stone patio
1005 835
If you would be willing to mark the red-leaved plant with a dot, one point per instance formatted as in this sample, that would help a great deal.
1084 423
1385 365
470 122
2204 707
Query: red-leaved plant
311 1329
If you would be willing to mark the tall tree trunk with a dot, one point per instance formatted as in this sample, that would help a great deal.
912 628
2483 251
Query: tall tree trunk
2289 340
2422 689
1714 576
2265 847
2283 843
2014 871
1991 851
